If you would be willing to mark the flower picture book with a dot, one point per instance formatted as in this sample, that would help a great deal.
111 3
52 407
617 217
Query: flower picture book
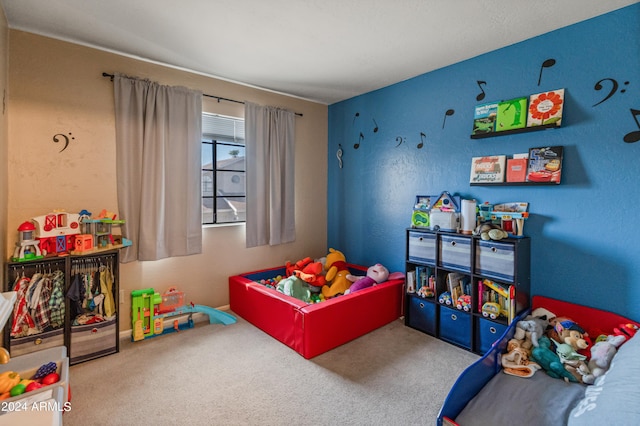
545 108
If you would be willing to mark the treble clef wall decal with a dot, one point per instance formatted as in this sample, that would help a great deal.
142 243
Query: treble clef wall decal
66 140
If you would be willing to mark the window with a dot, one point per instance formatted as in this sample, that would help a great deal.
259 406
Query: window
223 169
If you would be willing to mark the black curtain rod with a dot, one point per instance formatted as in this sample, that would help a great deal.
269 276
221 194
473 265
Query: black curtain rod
104 74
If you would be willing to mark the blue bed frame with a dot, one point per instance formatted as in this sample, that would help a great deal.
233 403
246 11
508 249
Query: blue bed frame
477 375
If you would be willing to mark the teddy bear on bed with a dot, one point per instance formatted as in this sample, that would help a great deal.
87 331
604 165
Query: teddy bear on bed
336 274
376 274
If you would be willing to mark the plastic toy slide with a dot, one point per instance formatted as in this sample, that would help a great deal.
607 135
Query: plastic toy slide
215 315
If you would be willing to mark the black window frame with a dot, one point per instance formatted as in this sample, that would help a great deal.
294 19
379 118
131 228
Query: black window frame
214 196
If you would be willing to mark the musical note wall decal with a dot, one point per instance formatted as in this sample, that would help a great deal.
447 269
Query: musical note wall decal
375 129
449 113
66 140
357 114
614 88
422 138
400 139
634 136
546 64
482 94
360 139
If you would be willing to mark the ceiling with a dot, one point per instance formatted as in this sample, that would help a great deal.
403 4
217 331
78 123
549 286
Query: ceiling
321 50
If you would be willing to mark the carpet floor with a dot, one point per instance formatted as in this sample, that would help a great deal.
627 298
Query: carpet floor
238 375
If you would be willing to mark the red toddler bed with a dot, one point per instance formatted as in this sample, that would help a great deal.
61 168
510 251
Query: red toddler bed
312 329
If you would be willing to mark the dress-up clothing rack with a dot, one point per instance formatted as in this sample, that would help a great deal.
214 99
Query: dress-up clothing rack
39 305
81 312
91 290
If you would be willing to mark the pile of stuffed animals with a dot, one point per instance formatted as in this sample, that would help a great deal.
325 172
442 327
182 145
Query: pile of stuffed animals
313 281
560 347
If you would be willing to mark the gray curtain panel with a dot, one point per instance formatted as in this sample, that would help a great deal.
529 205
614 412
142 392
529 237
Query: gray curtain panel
158 149
269 140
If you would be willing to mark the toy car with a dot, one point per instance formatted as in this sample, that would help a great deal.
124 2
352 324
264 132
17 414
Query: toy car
464 303
445 298
491 310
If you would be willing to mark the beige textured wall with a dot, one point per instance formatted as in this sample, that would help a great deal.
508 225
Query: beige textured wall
57 87
4 75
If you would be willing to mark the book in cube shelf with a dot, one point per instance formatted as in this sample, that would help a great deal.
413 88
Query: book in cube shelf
425 282
488 169
545 164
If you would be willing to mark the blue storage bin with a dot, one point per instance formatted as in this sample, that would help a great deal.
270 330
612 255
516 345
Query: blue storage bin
487 332
455 327
422 315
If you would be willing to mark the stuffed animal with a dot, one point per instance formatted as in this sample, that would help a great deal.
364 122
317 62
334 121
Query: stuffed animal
490 231
602 353
290 268
336 276
294 287
549 360
573 361
565 330
516 362
376 274
530 330
627 330
312 274
309 271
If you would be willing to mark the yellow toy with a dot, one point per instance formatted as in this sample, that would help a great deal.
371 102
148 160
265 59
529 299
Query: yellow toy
336 276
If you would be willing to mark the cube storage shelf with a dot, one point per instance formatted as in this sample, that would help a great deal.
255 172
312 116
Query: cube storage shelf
83 342
435 255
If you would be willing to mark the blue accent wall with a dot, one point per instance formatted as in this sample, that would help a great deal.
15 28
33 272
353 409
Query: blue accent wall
585 232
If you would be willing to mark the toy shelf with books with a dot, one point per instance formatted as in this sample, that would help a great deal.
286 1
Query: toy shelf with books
465 290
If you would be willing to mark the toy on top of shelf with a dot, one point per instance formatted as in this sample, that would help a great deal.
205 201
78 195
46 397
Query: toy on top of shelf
511 217
56 231
27 248
445 213
97 234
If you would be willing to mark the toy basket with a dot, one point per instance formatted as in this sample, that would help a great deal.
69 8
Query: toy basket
171 299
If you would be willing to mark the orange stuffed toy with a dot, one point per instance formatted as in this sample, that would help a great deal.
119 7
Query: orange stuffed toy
308 271
337 271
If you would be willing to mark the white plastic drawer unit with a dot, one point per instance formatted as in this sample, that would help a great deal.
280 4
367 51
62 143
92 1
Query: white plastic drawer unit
455 252
422 247
495 259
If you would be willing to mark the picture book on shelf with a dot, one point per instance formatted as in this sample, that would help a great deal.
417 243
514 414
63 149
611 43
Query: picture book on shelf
517 168
512 114
545 108
484 118
488 169
545 164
